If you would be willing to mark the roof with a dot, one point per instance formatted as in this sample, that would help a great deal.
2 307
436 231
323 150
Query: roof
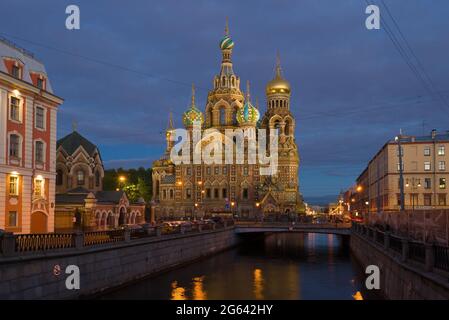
78 196
73 141
109 196
168 179
31 64
439 137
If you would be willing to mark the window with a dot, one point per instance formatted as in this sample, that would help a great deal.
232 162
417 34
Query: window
40 83
216 193
12 218
188 193
217 170
442 165
222 117
398 197
427 183
97 178
224 193
427 199
208 193
442 199
171 194
208 171
189 171
427 151
15 71
40 118
441 151
164 194
399 167
225 170
245 193
14 146
59 177
402 151
442 183
14 109
13 185
245 171
39 152
38 187
80 177
427 166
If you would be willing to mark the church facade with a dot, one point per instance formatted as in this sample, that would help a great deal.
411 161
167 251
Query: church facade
190 190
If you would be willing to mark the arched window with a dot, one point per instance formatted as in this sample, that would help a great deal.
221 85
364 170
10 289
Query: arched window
277 126
171 194
80 177
97 178
157 187
222 116
287 128
59 177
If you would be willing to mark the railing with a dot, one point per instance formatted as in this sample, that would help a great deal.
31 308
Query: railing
417 252
441 255
396 244
101 237
47 241
380 237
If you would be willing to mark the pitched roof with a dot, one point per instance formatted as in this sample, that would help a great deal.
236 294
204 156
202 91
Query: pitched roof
109 196
73 141
168 179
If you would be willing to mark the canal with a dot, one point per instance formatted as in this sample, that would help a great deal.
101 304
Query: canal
277 266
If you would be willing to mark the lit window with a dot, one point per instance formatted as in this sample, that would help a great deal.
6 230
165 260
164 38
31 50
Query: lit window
14 109
12 218
442 165
39 152
427 166
442 183
14 146
441 150
427 151
40 118
13 186
80 177
399 167
38 187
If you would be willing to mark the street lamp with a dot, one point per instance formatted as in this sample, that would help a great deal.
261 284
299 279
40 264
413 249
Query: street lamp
401 176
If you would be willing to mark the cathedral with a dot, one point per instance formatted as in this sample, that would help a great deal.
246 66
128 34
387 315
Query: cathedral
190 191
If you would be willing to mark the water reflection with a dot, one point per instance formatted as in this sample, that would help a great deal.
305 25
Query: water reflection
277 266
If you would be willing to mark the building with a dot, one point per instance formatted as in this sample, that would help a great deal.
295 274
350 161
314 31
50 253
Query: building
28 118
197 190
425 175
81 202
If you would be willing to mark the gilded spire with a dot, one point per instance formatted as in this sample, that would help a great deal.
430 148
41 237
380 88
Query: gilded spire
170 122
227 27
278 66
193 96
257 103
247 91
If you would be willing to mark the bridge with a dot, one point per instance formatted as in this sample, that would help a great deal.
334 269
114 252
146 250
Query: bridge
264 227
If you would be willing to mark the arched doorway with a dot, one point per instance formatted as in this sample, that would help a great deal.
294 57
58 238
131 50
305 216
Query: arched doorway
38 222
122 216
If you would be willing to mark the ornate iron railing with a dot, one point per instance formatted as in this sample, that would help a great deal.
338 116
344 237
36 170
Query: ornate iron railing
441 257
101 237
396 244
46 241
417 252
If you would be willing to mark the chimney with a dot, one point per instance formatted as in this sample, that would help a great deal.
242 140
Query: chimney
433 133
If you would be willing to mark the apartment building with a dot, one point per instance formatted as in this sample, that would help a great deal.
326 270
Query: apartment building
425 161
27 143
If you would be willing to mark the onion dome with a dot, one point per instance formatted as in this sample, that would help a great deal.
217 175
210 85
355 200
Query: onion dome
226 43
193 115
278 84
248 115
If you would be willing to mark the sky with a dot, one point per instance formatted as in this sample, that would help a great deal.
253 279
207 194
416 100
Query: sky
132 62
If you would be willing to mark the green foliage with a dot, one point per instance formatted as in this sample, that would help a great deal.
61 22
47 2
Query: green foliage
137 182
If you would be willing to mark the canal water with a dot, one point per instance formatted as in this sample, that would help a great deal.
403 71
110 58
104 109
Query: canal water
277 266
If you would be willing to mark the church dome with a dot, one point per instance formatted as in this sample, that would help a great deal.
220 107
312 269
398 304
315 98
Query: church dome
226 43
278 84
248 115
193 115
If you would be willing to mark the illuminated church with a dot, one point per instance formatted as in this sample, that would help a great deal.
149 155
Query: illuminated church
199 190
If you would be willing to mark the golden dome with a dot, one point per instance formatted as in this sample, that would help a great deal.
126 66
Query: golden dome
278 84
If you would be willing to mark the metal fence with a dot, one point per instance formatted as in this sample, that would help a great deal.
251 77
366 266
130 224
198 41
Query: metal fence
396 244
46 241
101 237
441 255
417 252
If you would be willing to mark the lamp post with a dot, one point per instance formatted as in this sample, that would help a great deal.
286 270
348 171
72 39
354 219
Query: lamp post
401 175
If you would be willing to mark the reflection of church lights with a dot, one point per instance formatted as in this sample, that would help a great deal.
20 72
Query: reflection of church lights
258 284
198 289
358 296
177 293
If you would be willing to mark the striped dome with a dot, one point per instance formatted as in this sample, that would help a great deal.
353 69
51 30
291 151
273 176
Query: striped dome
226 43
248 114
192 116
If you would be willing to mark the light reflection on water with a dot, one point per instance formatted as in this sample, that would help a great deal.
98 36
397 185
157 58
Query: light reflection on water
277 266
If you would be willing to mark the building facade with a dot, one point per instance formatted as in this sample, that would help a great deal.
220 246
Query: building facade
81 202
197 190
425 175
28 118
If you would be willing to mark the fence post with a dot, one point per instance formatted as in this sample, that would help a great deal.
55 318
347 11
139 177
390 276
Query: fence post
386 240
430 256
127 234
79 239
404 250
9 244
